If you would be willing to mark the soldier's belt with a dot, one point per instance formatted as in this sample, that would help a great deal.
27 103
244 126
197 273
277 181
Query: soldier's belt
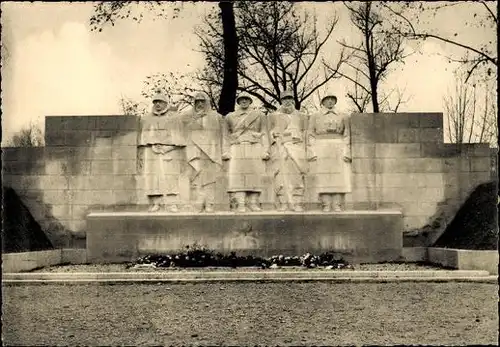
329 136
237 142
287 139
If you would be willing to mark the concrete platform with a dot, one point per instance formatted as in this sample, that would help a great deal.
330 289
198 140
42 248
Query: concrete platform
26 261
464 259
339 276
359 236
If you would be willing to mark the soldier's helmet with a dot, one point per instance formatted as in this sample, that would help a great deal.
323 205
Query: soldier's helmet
287 94
200 96
243 96
159 96
328 96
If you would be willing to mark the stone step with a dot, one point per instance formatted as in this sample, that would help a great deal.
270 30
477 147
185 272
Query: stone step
264 275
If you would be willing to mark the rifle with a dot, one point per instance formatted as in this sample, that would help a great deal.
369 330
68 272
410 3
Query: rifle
281 151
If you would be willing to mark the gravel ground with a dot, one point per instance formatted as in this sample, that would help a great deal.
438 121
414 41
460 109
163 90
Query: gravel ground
251 314
123 267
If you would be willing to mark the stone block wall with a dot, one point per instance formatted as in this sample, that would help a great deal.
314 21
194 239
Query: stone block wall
400 160
90 163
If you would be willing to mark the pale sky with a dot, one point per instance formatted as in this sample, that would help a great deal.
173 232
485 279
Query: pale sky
56 66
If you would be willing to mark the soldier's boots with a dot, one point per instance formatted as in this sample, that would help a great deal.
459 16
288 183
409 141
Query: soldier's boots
281 204
254 202
171 201
154 208
209 207
326 202
282 207
173 208
240 201
337 202
155 203
255 207
298 203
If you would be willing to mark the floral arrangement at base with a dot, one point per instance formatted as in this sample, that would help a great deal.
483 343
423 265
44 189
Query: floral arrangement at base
196 256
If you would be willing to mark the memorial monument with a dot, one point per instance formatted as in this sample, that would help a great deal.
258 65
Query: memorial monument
201 160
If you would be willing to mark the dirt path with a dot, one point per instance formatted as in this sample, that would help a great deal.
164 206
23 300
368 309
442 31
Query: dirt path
251 314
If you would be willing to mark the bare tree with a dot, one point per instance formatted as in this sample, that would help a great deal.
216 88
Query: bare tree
179 88
460 108
486 124
108 12
399 99
469 120
360 96
483 14
279 49
130 107
29 136
372 59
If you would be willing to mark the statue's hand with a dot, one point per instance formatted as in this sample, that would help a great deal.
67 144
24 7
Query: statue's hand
347 159
265 156
311 156
169 148
226 156
159 149
275 134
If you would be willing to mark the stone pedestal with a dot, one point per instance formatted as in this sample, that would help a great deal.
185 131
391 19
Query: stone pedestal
359 236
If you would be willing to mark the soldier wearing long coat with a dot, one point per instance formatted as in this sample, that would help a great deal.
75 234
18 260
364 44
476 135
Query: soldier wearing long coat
162 141
246 145
203 127
288 154
329 142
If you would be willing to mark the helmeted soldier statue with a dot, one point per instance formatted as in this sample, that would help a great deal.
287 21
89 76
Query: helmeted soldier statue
330 148
288 154
246 145
163 142
204 150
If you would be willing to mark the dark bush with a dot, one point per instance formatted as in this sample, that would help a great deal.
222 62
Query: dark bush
20 231
475 225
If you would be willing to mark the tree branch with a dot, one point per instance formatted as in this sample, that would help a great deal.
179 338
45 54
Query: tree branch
492 15
318 48
487 57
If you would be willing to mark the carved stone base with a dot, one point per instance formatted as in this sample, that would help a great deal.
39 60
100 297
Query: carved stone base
359 236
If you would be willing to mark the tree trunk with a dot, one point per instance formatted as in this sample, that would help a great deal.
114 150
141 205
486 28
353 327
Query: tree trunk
230 79
372 68
373 76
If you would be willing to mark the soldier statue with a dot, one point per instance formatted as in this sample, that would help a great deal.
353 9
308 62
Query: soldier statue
162 142
288 154
246 145
204 150
330 149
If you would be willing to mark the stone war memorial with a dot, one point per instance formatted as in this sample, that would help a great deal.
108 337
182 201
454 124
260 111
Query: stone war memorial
282 183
